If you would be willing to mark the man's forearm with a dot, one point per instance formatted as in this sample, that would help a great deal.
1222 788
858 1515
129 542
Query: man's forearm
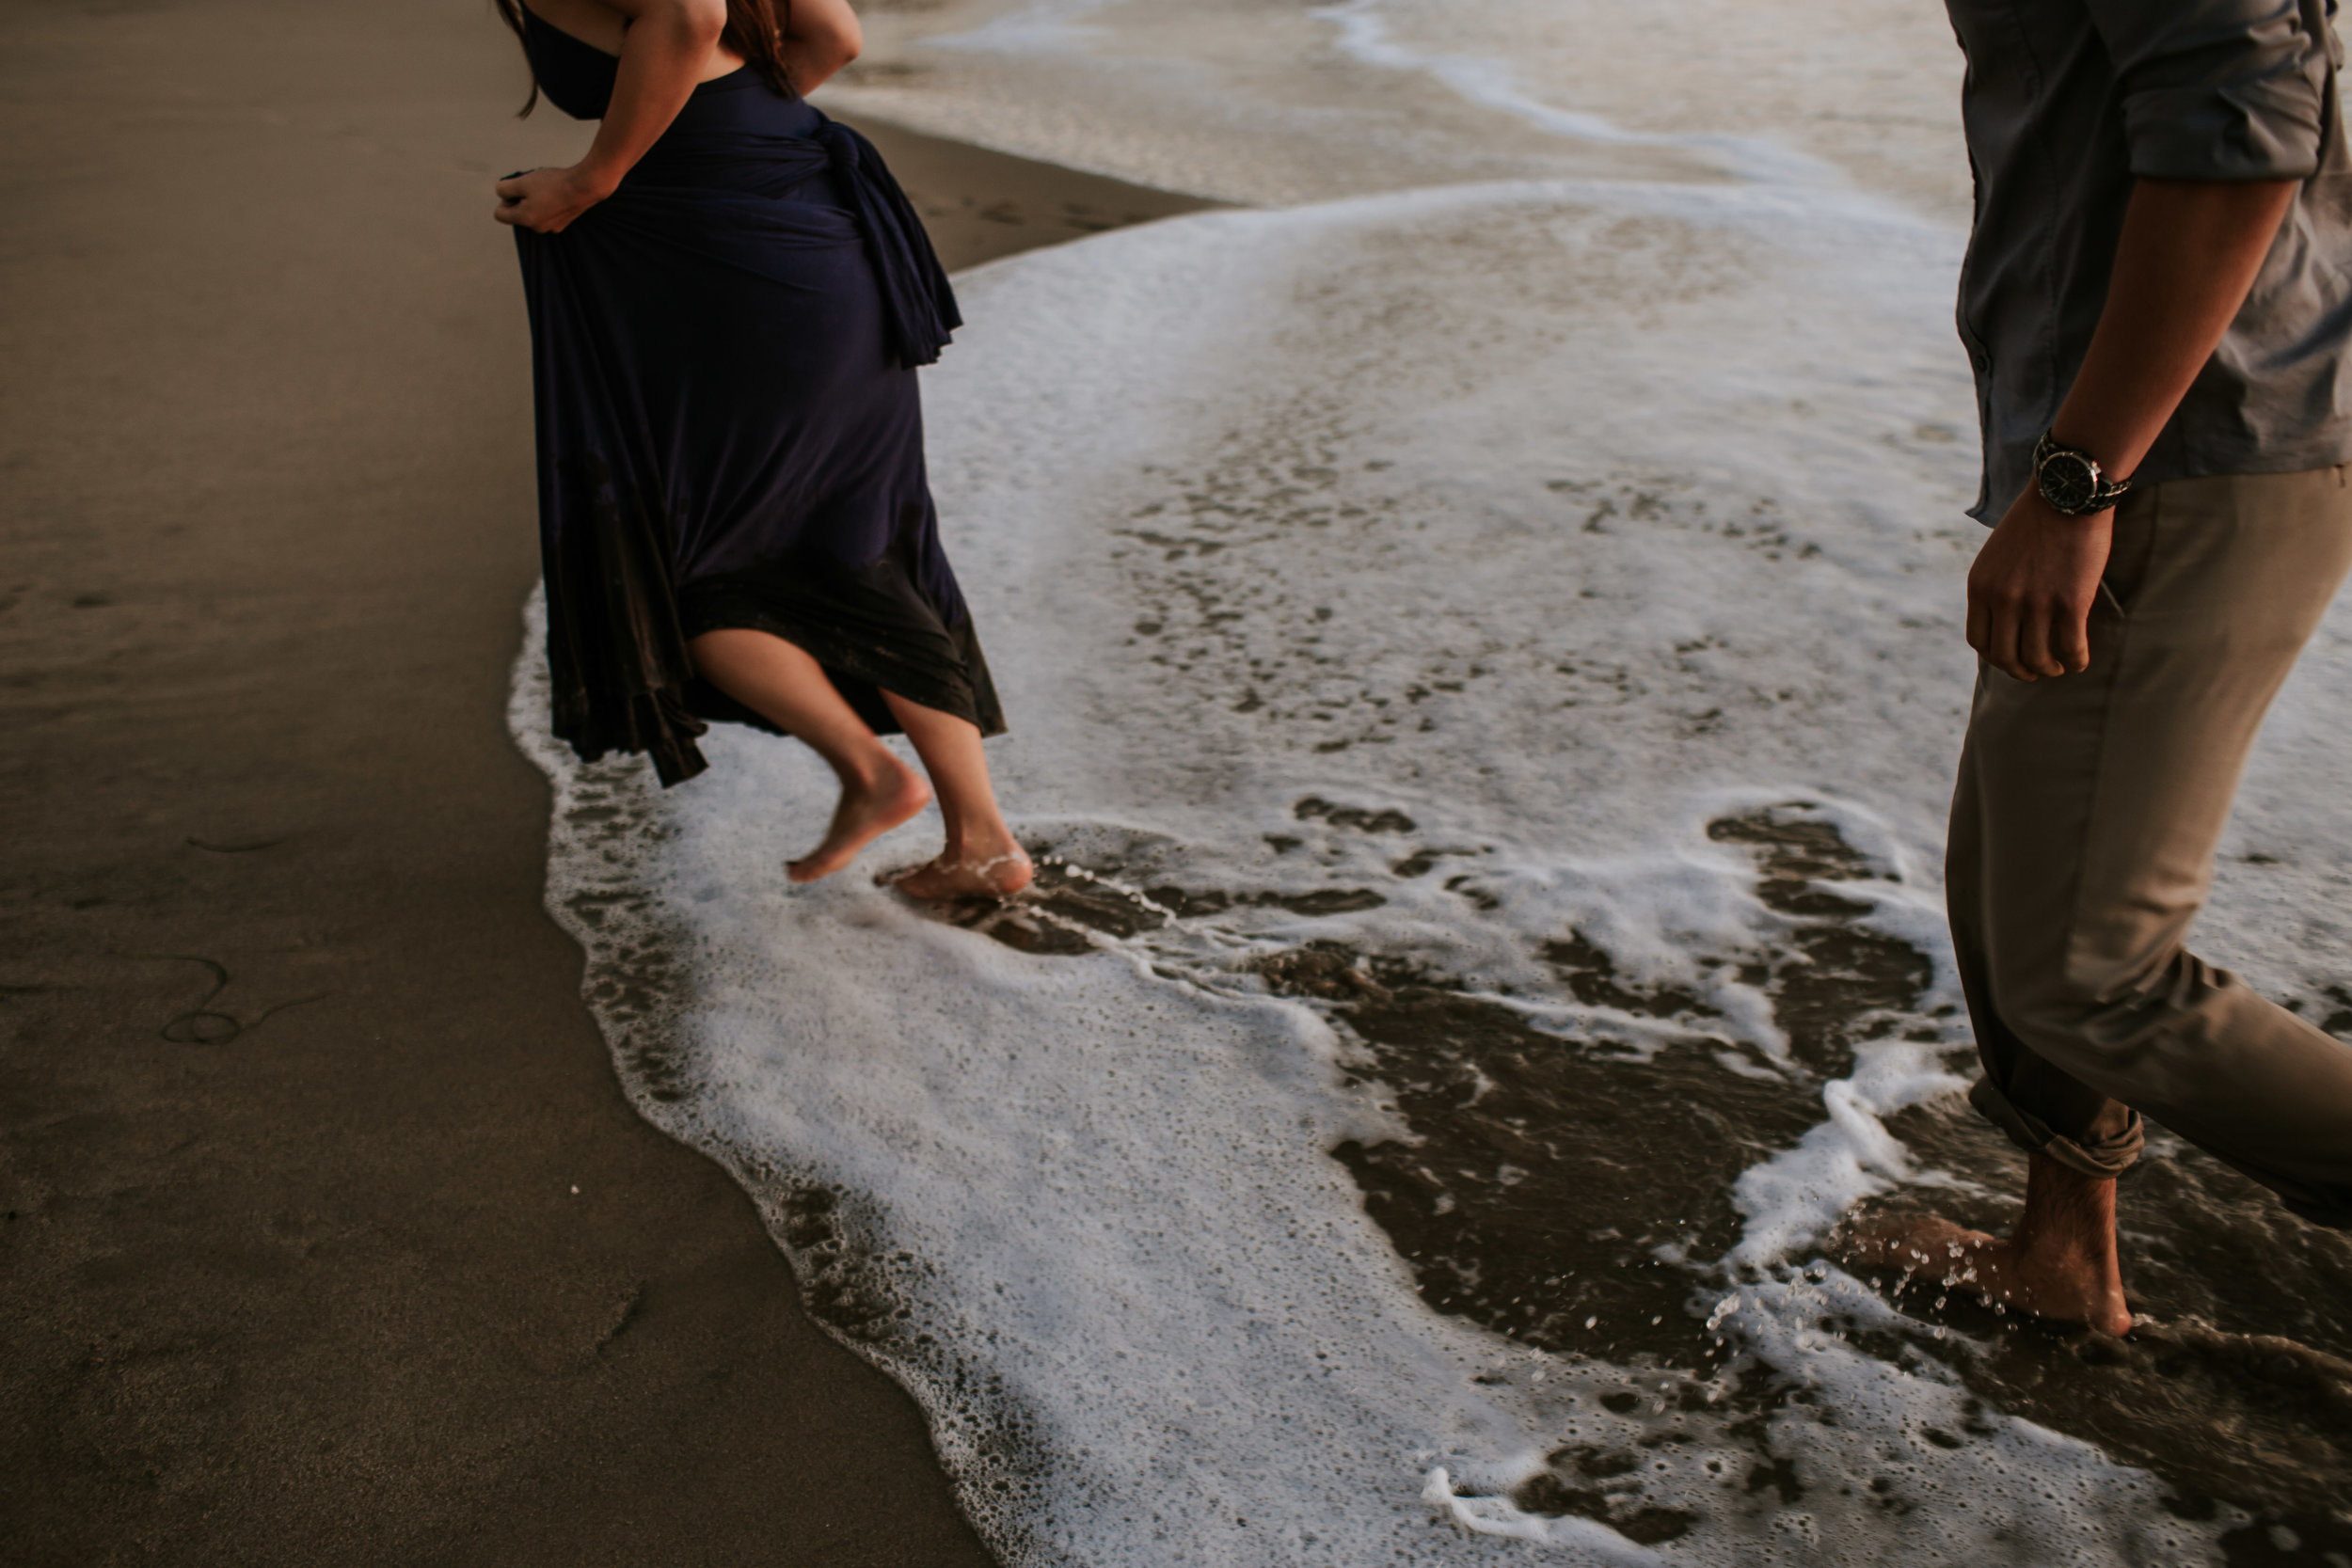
2188 254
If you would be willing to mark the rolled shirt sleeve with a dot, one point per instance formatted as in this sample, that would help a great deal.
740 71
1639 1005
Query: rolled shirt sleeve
2067 104
2218 90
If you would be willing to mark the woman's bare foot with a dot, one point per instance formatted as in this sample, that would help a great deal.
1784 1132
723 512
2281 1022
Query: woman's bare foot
867 808
963 874
2064 1283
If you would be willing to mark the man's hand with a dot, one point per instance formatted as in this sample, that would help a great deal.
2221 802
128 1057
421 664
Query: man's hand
546 200
2030 593
2187 255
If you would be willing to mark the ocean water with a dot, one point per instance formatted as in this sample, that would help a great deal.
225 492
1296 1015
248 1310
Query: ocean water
1268 102
1481 632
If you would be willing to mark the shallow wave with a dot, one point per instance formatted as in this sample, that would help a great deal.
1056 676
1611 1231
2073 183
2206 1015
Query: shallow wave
1259 102
1475 656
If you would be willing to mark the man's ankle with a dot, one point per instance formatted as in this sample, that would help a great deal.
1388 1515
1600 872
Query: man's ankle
2068 1219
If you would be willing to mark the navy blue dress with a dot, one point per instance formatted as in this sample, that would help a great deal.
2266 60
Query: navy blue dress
730 432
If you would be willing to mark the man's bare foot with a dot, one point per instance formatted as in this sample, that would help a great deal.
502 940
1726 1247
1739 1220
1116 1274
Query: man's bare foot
998 876
2064 1283
865 811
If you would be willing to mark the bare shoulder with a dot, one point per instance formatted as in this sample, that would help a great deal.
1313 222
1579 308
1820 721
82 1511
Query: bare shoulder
829 19
825 37
604 23
592 21
713 12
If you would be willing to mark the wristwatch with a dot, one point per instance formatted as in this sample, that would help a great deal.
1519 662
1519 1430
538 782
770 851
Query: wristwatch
2072 482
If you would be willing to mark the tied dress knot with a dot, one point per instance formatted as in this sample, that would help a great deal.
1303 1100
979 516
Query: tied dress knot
921 304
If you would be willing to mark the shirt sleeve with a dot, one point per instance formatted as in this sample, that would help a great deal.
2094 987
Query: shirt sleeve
2220 90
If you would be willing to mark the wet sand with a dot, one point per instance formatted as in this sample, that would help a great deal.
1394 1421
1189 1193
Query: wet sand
2237 1401
327 1235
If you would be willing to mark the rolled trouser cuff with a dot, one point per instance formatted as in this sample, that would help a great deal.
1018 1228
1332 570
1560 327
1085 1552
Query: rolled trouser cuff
2103 1158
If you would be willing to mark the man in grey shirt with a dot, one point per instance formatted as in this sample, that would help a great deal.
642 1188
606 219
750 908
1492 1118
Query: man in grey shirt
2157 301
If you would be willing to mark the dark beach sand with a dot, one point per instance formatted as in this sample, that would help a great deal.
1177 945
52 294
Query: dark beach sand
295 1088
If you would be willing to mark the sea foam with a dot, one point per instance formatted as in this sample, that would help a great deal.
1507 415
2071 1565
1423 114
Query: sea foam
1553 521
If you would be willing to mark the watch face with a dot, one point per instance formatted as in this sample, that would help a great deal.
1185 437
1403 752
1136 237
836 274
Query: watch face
2069 481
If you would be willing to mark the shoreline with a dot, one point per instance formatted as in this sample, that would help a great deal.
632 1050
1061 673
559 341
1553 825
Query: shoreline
980 205
329 1236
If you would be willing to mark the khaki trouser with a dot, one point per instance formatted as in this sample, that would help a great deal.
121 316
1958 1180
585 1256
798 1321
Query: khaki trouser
2082 844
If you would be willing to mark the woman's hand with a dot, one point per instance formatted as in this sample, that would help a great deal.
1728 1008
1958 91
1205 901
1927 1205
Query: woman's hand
546 200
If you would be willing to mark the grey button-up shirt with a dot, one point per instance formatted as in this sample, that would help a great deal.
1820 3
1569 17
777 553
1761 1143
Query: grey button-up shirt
2066 102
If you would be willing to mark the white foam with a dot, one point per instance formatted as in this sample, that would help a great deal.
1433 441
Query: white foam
1364 33
1561 517
1252 102
1790 1201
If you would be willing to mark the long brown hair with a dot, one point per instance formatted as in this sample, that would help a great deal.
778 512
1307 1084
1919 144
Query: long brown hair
755 30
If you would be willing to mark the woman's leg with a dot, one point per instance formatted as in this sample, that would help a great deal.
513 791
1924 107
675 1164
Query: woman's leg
982 859
782 684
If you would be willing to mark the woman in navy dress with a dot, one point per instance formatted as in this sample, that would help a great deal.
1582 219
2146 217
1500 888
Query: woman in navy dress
729 296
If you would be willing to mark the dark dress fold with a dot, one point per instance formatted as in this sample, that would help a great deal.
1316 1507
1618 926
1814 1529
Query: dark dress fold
730 430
